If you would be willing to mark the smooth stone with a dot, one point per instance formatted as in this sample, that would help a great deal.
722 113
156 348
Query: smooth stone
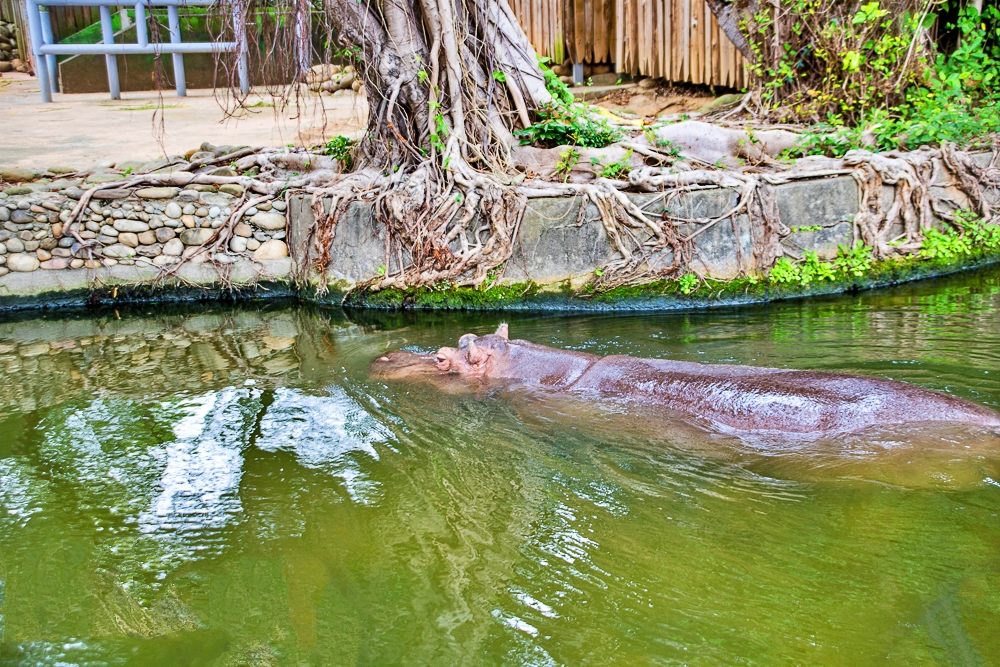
195 255
224 171
4 214
200 187
3 249
59 170
264 206
55 264
215 224
173 210
31 246
62 252
164 260
243 229
151 250
238 244
108 230
196 237
189 195
201 212
189 209
250 211
15 245
103 178
156 193
147 238
73 193
223 258
107 240
18 190
278 205
268 221
119 251
43 255
164 234
113 193
21 217
189 221
173 247
217 198
129 239
133 226
231 189
18 174
214 212
271 250
77 263
252 244
22 263
202 155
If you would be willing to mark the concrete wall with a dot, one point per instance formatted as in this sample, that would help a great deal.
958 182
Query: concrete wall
553 247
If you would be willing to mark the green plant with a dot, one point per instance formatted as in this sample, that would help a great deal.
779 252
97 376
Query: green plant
619 169
559 90
340 148
855 260
807 228
981 234
815 269
947 244
784 272
567 160
571 124
688 283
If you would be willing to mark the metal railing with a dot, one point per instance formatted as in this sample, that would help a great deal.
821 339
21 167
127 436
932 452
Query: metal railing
40 28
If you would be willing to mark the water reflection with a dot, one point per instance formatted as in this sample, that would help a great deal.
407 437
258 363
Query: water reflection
231 488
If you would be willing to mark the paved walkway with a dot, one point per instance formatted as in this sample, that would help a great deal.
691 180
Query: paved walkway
82 130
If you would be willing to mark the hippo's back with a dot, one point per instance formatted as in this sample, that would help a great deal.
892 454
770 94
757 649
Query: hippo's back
747 398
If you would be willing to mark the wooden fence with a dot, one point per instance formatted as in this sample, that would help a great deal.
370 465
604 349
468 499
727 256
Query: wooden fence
678 40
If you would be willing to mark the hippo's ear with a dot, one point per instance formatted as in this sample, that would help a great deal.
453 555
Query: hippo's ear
477 355
503 331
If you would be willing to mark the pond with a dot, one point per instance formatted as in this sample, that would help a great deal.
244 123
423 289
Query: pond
225 485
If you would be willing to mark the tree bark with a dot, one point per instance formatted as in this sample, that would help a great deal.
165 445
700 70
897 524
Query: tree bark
729 22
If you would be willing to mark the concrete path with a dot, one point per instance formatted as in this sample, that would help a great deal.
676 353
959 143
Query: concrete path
82 130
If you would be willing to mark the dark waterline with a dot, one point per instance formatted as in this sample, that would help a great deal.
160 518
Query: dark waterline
225 485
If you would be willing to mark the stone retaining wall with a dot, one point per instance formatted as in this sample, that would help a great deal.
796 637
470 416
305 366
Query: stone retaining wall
149 225
139 233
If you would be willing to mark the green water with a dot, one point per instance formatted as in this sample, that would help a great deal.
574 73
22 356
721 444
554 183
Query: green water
226 486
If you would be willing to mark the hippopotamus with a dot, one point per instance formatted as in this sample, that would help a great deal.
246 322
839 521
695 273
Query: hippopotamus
741 399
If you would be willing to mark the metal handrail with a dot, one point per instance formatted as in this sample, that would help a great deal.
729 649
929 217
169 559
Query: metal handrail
40 29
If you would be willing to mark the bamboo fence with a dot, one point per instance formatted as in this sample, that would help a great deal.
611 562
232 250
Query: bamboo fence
678 40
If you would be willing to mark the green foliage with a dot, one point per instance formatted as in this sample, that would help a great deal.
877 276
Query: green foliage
850 262
806 228
569 124
619 169
982 234
785 273
688 283
955 98
340 148
560 91
854 261
567 160
949 244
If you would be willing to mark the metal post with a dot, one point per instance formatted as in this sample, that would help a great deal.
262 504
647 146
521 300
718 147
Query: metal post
577 72
37 42
239 25
141 37
174 25
50 61
110 60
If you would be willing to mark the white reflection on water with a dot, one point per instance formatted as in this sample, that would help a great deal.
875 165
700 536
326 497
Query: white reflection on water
199 485
325 433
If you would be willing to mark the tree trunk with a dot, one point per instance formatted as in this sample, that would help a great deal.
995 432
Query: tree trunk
728 18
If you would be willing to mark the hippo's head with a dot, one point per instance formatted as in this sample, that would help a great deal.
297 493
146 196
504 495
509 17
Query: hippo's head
474 357
493 356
